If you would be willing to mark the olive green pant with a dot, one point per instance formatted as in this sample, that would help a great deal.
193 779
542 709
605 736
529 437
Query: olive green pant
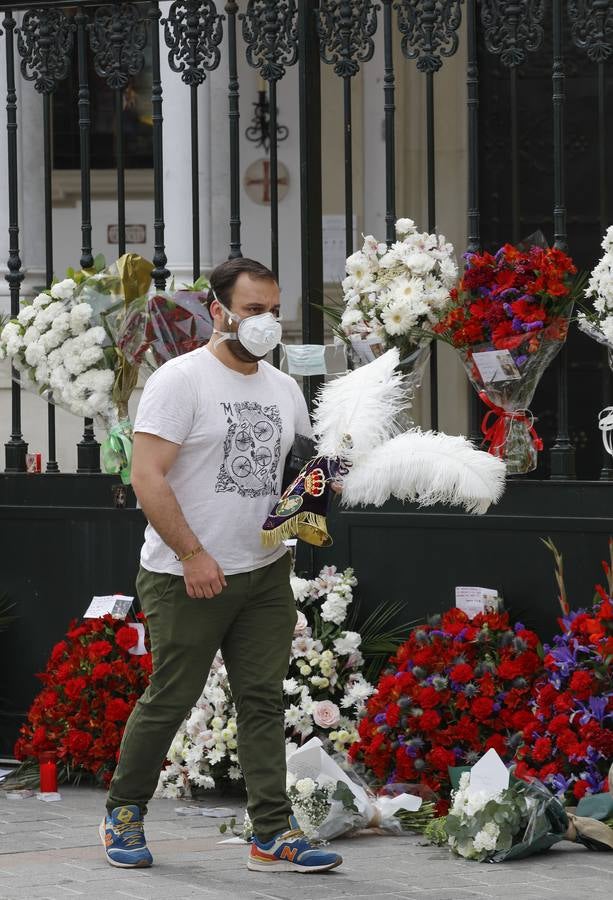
252 621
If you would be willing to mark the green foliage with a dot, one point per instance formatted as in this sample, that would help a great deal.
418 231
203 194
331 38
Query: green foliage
381 634
436 831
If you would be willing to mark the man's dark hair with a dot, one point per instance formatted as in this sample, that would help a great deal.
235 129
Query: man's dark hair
223 277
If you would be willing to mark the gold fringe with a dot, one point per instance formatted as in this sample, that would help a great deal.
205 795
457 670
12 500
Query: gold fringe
307 526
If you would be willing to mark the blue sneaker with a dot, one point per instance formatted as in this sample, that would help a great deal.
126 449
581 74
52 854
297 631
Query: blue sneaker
290 851
123 837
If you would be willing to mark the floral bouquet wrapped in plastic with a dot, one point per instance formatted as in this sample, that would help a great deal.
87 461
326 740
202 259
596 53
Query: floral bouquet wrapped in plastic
509 319
62 348
160 327
330 801
393 296
597 323
496 817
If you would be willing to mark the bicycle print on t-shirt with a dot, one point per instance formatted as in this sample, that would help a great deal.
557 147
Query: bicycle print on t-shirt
252 448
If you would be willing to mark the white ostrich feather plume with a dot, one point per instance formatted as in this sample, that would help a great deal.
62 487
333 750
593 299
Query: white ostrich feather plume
426 468
357 412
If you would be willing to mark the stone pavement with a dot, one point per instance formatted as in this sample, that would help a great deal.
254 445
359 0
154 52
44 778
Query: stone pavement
51 851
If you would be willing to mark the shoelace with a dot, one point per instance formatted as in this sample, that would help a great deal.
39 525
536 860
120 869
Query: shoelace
131 832
294 834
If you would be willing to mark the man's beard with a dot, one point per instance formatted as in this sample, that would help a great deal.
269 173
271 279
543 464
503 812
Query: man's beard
241 353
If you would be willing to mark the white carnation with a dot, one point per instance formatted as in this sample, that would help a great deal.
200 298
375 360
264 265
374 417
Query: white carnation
26 314
486 838
41 300
79 317
64 290
347 643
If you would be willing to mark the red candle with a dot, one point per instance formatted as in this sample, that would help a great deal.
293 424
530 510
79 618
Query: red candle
48 773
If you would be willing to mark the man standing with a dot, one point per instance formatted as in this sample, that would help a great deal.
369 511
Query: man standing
212 433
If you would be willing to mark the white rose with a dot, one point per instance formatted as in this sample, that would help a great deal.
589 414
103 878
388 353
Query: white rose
305 786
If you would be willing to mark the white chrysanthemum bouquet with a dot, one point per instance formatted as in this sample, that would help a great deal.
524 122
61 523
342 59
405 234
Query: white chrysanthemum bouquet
324 692
393 296
599 322
60 348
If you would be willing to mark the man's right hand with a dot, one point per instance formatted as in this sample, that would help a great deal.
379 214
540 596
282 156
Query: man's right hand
203 577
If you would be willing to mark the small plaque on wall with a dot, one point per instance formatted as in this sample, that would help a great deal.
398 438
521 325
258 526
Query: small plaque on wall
135 234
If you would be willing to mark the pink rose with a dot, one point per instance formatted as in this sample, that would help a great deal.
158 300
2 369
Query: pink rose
326 714
301 624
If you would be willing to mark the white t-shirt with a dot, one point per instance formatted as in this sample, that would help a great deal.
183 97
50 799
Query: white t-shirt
234 432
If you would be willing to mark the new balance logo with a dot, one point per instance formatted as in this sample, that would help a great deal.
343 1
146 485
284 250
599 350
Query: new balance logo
286 853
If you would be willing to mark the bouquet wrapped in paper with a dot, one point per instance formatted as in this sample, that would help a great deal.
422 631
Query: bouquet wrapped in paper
508 320
495 817
165 325
597 323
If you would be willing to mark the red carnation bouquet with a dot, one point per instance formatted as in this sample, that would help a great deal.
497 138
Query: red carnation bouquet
90 685
159 327
569 745
456 688
509 318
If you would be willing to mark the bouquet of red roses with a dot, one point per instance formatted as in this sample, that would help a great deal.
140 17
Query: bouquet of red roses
163 326
570 743
457 687
91 683
509 319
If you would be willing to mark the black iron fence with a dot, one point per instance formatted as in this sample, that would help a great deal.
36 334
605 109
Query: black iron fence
505 42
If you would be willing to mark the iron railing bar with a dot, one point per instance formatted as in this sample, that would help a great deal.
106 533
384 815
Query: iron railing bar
234 117
514 130
15 448
52 465
274 175
389 89
160 273
311 241
431 190
606 472
88 448
347 131
562 454
274 194
474 234
195 182
121 174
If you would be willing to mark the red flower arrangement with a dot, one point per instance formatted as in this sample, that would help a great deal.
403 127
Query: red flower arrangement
90 685
570 744
509 298
456 688
508 319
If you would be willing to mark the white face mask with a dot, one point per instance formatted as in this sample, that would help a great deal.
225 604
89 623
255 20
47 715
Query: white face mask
305 359
257 334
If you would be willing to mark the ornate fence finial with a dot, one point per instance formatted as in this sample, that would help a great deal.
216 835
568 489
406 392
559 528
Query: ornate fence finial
45 41
512 29
270 31
429 30
346 34
193 32
592 27
118 36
